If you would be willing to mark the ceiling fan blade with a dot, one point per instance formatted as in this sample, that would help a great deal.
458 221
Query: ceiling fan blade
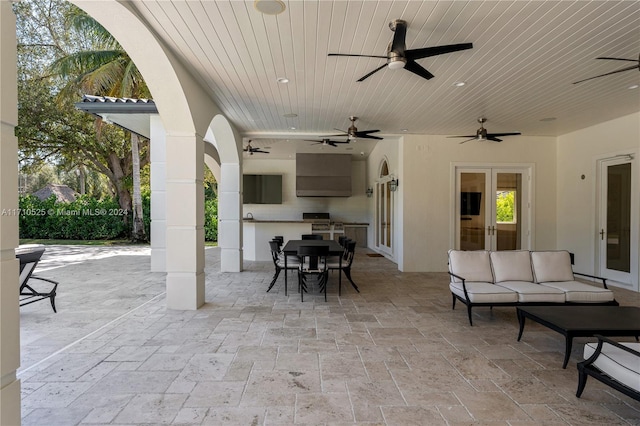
494 139
492 135
367 136
358 56
609 73
435 50
400 34
463 136
618 59
472 139
413 66
372 72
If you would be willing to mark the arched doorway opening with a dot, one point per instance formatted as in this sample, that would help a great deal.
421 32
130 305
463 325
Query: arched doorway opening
384 210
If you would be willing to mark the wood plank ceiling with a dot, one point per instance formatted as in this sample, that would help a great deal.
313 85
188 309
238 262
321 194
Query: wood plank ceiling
519 73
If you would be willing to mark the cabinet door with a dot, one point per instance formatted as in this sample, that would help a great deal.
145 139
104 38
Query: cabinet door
357 233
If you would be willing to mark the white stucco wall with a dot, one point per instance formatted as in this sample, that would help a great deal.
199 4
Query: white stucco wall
577 154
428 190
341 209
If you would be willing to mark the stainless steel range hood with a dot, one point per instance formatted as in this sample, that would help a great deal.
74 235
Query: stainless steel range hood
323 175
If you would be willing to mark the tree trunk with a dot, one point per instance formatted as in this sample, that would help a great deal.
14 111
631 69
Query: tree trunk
138 234
82 177
124 197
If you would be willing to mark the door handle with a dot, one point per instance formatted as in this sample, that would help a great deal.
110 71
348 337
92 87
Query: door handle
602 234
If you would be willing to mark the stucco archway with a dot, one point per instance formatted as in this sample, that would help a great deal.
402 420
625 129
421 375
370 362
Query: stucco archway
222 136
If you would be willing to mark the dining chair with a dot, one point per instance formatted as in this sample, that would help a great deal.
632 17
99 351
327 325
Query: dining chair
313 263
278 263
311 236
345 265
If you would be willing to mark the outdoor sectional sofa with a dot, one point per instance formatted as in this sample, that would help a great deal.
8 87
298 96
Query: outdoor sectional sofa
520 277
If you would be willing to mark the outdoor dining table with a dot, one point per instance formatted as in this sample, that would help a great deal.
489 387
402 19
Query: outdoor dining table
291 249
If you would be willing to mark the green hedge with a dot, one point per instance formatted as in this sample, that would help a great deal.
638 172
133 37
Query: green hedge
211 219
83 219
91 219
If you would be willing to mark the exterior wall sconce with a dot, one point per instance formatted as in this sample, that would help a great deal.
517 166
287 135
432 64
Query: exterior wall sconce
369 192
393 184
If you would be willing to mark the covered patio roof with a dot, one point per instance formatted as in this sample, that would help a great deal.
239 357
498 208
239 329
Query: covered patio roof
130 114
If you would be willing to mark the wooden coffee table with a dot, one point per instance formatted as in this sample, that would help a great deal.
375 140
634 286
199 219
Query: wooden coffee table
583 321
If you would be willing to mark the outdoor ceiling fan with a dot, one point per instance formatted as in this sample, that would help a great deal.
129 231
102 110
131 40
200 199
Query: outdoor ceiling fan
251 149
326 142
352 133
482 135
633 67
398 57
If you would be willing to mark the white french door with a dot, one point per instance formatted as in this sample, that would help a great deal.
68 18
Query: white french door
384 217
617 220
493 208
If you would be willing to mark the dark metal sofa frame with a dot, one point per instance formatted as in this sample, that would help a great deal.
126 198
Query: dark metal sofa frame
585 369
491 304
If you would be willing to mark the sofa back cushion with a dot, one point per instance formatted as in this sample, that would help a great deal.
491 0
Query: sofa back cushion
511 265
551 266
471 265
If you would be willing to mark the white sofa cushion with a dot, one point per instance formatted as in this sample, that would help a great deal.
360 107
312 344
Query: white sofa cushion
471 265
532 292
511 265
550 266
578 292
616 363
484 292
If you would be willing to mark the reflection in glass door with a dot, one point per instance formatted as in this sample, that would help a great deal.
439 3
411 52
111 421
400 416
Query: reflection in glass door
472 217
491 213
615 230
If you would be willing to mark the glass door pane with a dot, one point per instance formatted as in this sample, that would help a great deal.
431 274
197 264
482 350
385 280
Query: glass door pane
472 215
508 205
618 218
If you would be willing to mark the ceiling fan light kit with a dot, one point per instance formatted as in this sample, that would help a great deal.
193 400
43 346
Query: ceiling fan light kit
482 135
399 57
353 133
251 149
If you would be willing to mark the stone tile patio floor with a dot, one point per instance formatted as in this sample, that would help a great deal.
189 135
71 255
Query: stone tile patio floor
395 354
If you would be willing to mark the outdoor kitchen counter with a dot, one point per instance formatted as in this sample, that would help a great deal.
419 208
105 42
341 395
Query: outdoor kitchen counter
257 233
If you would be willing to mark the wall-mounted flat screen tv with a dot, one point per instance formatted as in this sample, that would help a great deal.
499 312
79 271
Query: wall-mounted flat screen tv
470 203
262 189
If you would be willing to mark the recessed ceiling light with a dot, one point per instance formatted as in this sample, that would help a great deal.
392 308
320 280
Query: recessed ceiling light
292 128
634 86
269 7
548 119
405 130
290 115
283 80
459 83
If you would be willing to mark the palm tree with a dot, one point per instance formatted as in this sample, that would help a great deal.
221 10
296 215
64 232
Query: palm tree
106 70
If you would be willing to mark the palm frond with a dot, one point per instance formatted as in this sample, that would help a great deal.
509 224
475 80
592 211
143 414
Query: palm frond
85 24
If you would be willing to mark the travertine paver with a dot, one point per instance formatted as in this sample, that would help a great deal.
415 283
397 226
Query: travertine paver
395 354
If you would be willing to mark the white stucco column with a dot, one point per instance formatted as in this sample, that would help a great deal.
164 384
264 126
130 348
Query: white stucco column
230 217
9 269
185 221
158 195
